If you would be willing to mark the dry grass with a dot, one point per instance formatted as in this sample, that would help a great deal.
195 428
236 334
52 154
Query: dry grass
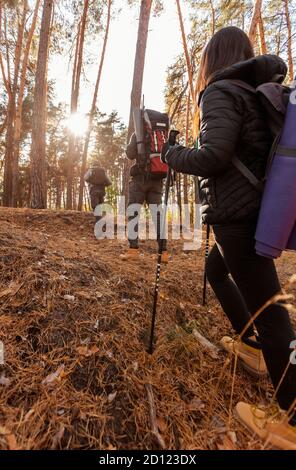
76 370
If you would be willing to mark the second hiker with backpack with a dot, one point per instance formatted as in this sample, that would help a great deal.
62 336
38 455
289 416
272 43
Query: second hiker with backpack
147 173
234 123
97 180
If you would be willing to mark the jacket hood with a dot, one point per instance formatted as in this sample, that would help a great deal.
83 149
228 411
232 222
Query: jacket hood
256 71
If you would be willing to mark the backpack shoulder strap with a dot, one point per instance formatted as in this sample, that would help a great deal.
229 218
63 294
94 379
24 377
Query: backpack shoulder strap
258 184
240 166
243 85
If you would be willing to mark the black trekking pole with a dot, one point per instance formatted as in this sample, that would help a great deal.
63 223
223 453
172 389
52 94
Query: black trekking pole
172 141
204 296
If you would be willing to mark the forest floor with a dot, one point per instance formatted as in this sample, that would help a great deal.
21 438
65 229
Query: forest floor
75 322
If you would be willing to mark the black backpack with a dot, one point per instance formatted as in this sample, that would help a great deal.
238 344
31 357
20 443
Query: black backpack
97 177
152 130
274 98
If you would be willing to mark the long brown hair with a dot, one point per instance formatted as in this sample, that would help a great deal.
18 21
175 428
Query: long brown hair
227 47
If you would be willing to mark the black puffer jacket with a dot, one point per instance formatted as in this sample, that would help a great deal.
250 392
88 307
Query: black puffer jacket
232 123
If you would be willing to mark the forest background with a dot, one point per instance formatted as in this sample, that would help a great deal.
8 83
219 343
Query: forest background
71 72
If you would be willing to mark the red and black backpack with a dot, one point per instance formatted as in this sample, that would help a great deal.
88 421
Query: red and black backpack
156 129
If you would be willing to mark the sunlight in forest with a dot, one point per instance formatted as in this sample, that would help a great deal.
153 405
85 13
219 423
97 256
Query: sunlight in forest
77 124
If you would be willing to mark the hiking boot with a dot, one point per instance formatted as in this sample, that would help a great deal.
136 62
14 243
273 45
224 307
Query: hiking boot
250 358
132 254
270 424
165 257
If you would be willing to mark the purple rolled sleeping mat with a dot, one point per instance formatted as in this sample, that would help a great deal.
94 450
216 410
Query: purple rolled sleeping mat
276 229
292 241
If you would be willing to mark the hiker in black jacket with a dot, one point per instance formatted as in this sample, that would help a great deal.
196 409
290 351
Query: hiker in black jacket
232 123
97 180
144 187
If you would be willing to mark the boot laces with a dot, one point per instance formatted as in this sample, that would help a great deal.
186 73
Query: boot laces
263 415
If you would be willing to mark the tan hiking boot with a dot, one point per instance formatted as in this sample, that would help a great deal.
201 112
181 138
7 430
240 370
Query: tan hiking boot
270 424
251 358
132 254
165 257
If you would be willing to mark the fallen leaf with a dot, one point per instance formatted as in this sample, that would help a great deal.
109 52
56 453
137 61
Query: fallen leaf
54 376
218 425
161 424
162 296
29 414
111 397
227 444
11 442
213 351
84 295
232 437
3 431
58 437
71 298
86 351
5 292
4 381
111 447
12 289
196 404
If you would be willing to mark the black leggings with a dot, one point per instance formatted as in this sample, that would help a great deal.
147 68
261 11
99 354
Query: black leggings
253 282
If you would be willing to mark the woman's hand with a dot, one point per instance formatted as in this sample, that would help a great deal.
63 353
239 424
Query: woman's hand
165 150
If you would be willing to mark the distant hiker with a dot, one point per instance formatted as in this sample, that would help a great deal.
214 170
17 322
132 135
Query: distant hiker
147 173
233 123
97 180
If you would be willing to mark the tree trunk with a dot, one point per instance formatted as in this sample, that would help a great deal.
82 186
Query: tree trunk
75 195
243 13
185 47
185 180
255 20
64 198
38 163
213 13
7 50
93 110
139 65
6 78
9 139
19 108
289 41
178 102
279 36
49 192
58 192
262 43
74 100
